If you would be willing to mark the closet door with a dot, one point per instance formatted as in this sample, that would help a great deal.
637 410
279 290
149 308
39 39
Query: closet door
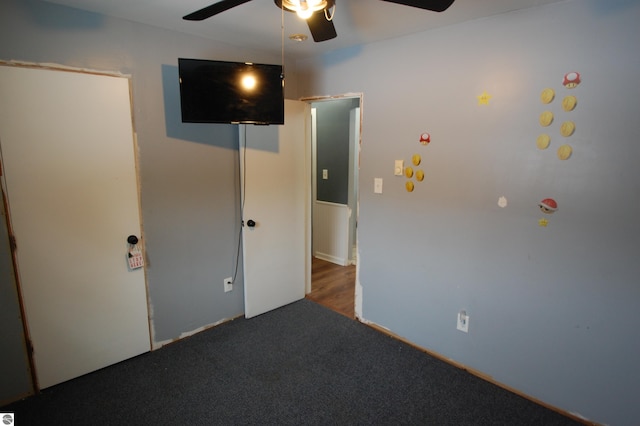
70 174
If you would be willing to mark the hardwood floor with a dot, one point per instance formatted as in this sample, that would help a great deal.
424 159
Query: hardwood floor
333 286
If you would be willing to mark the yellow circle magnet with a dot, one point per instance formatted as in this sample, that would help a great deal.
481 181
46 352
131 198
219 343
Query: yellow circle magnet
408 172
569 103
567 128
416 159
543 141
419 175
547 95
409 186
546 118
564 152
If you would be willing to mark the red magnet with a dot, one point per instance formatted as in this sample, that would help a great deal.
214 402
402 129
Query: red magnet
425 138
548 205
571 80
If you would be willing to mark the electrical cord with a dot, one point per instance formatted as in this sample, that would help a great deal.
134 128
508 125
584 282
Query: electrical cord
242 176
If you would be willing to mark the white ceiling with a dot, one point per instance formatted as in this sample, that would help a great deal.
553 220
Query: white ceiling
258 24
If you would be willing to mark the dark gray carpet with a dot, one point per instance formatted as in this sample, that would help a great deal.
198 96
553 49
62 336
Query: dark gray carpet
299 365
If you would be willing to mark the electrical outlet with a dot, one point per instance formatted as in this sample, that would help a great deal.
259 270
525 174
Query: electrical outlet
377 185
463 321
228 284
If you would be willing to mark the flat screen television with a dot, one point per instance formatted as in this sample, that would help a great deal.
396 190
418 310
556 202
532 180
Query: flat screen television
230 92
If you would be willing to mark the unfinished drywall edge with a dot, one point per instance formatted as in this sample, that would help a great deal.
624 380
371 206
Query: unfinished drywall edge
574 416
330 97
158 345
60 67
358 290
358 297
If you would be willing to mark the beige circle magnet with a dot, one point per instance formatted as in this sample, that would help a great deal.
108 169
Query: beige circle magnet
543 141
567 128
419 175
408 172
547 95
564 152
569 103
409 186
416 159
546 118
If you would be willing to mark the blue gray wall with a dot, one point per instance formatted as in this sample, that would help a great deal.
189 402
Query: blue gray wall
553 310
332 149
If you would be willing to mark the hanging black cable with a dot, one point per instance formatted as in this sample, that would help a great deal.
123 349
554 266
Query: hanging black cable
242 176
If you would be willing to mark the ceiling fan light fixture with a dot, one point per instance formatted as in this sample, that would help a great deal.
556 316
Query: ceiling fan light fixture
304 13
298 37
304 8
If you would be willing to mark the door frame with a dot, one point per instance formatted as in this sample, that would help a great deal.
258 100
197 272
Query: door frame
356 164
26 338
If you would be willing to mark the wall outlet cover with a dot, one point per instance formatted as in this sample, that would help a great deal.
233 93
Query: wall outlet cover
377 186
228 284
463 322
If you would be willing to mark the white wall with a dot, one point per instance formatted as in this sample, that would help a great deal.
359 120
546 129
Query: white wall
553 310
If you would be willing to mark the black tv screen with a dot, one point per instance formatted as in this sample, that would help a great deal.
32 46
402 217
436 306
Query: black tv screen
230 92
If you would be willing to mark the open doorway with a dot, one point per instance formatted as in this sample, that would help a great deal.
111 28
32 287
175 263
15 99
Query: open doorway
336 126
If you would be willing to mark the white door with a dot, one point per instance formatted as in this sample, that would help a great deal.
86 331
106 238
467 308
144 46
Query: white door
68 153
275 164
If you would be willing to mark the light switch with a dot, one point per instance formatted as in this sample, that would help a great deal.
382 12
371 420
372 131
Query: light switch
325 174
398 169
377 185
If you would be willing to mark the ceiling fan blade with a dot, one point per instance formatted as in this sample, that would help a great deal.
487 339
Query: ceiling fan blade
213 9
433 5
321 28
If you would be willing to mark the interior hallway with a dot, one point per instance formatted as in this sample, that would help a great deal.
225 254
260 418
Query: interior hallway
333 286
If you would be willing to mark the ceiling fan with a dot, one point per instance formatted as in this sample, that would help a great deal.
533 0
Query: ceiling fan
314 11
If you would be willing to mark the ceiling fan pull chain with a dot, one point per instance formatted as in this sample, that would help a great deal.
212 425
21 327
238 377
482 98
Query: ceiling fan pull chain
333 12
